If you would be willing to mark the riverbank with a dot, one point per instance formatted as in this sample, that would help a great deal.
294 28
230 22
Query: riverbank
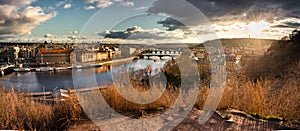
119 60
74 66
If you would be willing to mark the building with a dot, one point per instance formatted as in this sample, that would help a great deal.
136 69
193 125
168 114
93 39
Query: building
127 51
27 53
92 56
103 55
12 53
86 56
54 56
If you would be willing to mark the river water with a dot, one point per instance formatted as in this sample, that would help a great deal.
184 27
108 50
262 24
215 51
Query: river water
48 81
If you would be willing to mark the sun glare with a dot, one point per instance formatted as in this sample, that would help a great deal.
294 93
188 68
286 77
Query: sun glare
258 27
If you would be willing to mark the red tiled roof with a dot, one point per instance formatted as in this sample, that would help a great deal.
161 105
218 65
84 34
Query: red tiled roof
55 51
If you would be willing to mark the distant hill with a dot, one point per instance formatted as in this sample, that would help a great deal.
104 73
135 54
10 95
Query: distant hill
243 42
246 42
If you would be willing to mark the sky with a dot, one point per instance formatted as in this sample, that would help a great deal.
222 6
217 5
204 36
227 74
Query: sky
145 21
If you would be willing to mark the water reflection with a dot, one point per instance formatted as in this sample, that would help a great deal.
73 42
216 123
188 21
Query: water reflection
39 81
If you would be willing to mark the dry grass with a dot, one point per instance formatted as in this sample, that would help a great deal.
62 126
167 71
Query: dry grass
264 97
22 113
18 112
93 102
120 104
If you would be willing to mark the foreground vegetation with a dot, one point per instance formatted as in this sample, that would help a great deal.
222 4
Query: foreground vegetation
19 112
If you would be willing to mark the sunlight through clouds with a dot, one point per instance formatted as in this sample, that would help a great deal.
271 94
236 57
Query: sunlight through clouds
258 27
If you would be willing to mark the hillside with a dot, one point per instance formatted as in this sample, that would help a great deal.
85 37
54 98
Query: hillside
283 55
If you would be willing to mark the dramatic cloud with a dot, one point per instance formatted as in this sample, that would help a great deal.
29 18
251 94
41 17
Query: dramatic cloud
171 24
292 24
179 10
17 17
287 23
17 3
134 29
106 3
231 18
137 33
220 11
67 6
89 7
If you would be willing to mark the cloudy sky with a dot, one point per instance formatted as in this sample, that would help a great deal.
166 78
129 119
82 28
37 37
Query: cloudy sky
144 21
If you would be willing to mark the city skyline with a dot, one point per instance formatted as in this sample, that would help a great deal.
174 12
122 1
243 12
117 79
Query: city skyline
69 20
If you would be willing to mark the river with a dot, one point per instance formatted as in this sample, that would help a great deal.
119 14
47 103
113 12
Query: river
48 81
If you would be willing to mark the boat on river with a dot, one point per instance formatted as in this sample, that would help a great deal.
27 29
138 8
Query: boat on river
61 68
22 70
6 69
44 69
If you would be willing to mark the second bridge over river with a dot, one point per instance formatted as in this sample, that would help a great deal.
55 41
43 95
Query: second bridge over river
161 53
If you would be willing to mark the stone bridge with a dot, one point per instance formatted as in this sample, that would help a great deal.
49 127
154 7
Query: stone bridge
161 53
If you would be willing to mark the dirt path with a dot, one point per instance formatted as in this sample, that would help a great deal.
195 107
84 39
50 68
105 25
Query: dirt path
232 120
220 120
